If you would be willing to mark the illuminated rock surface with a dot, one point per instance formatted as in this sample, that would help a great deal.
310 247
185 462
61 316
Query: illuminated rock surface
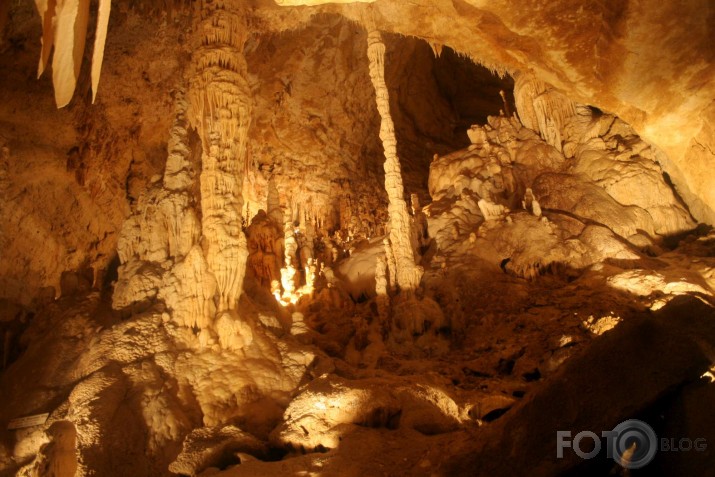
353 238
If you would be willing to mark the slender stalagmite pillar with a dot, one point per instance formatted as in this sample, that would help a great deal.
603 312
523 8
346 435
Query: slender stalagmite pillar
407 273
221 111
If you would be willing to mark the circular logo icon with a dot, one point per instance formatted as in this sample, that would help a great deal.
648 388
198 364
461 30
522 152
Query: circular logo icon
635 444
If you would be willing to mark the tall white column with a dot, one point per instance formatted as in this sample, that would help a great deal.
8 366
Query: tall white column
407 274
221 112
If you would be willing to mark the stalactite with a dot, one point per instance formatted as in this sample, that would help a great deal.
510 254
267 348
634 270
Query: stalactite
100 38
70 33
188 291
407 274
526 88
64 26
436 48
46 10
220 102
158 245
178 174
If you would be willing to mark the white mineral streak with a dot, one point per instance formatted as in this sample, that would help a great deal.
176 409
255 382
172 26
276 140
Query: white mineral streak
407 274
220 101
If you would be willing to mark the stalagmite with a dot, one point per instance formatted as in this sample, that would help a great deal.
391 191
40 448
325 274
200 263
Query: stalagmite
507 109
341 355
391 266
291 244
407 274
536 208
264 245
288 276
221 105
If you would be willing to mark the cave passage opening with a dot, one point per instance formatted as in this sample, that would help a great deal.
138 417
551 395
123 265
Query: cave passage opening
436 95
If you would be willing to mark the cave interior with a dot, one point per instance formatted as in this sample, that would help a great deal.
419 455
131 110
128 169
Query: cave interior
356 238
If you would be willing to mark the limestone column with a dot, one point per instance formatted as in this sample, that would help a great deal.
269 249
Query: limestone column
381 290
407 274
221 112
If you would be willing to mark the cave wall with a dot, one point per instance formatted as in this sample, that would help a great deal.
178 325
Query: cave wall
435 96
649 62
71 175
314 118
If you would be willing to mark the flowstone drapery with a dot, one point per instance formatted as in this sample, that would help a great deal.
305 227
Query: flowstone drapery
542 108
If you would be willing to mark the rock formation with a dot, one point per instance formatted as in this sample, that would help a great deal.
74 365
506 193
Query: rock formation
382 289
252 257
265 243
406 272
64 26
159 245
542 108
221 112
